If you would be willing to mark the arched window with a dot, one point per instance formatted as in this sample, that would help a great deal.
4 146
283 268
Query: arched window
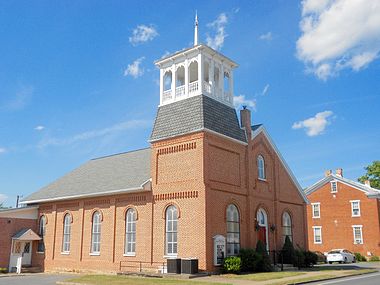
261 167
130 232
167 80
42 232
96 231
287 226
180 81
233 230
262 223
171 242
66 233
193 71
226 82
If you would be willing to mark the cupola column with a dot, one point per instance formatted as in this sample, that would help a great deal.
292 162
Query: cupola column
187 77
173 81
200 73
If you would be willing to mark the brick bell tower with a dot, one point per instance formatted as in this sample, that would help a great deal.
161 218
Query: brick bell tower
196 100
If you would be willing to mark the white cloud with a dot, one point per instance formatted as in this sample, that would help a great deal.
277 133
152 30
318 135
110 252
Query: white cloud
134 69
39 128
265 90
338 34
142 34
132 124
240 101
219 25
2 150
3 197
266 37
315 125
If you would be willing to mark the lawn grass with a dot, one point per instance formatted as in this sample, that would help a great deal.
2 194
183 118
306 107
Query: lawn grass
264 276
324 276
127 280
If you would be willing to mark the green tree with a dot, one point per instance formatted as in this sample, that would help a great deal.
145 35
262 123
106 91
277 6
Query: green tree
373 174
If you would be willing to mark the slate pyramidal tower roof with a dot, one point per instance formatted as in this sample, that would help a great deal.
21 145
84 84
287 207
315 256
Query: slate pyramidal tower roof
196 94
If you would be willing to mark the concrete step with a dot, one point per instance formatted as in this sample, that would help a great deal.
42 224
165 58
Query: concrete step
31 269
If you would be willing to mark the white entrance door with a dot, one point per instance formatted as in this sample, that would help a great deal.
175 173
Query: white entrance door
20 249
27 253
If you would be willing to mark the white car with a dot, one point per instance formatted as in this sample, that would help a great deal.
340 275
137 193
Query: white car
341 256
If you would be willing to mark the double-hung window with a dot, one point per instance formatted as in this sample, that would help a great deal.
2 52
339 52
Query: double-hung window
358 234
130 232
261 167
316 210
317 231
171 246
95 234
355 208
334 186
66 233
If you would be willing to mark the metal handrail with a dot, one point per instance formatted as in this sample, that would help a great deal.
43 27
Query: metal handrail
140 265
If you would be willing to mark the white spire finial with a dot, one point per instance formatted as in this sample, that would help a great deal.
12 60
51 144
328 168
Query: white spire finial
196 29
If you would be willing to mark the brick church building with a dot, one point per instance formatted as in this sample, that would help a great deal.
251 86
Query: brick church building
207 186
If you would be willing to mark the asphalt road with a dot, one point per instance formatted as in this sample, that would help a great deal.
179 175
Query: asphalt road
34 279
367 279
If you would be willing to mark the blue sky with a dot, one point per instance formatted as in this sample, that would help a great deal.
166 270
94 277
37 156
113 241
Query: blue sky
78 81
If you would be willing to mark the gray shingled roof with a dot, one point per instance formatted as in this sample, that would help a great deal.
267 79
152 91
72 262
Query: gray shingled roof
196 113
98 176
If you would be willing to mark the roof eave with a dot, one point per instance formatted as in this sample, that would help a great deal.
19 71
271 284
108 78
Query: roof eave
90 195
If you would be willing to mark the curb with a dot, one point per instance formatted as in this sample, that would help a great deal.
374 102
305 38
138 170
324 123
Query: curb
333 278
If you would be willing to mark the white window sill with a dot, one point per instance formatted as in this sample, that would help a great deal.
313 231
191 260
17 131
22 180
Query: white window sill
317 242
40 252
357 216
171 256
262 179
65 252
95 253
129 254
317 217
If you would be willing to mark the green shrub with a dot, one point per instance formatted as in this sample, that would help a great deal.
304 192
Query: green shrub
232 264
288 251
262 263
359 257
374 258
311 258
248 258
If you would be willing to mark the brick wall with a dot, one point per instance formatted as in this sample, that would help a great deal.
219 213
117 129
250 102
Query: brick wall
336 220
201 174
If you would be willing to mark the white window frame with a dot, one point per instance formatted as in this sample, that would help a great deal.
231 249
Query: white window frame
261 168
334 182
96 231
66 237
352 208
233 230
361 233
319 210
320 231
130 232
171 229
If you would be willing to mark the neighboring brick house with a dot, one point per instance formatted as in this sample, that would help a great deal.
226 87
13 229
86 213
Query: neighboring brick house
205 188
343 214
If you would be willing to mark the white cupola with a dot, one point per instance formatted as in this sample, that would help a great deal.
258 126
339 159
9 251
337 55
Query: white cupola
199 70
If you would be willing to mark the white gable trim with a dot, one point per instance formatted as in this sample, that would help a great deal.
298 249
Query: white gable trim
371 192
261 129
